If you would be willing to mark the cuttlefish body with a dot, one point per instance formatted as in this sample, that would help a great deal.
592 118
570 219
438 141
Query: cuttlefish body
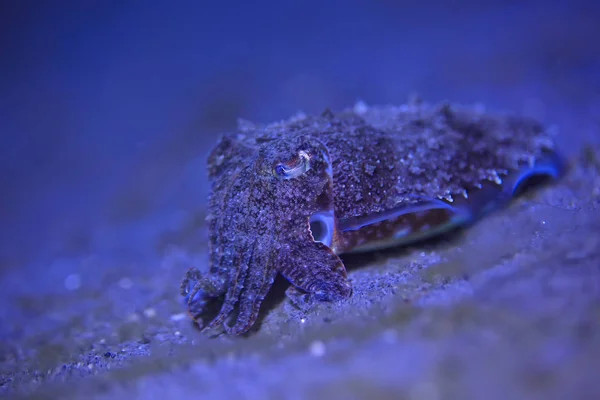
290 197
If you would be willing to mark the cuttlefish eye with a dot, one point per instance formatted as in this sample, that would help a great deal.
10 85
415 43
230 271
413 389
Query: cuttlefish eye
293 168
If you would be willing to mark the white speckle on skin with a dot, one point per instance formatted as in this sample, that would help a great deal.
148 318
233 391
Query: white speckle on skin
317 348
177 333
150 312
73 282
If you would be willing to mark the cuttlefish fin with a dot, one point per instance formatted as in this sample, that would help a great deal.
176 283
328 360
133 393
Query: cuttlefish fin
492 196
400 225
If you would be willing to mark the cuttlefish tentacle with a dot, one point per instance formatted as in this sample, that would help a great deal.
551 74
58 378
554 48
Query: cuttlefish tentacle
327 282
195 284
237 277
255 290
225 181
200 290
197 287
226 250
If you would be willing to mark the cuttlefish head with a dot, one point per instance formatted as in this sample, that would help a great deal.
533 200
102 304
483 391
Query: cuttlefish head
262 203
298 181
297 175
271 209
276 192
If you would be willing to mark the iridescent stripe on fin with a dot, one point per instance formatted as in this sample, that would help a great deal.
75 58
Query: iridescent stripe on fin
402 225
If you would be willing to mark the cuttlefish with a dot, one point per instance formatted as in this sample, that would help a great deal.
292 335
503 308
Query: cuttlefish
290 197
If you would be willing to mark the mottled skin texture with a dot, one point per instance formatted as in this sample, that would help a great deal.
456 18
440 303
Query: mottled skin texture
268 180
